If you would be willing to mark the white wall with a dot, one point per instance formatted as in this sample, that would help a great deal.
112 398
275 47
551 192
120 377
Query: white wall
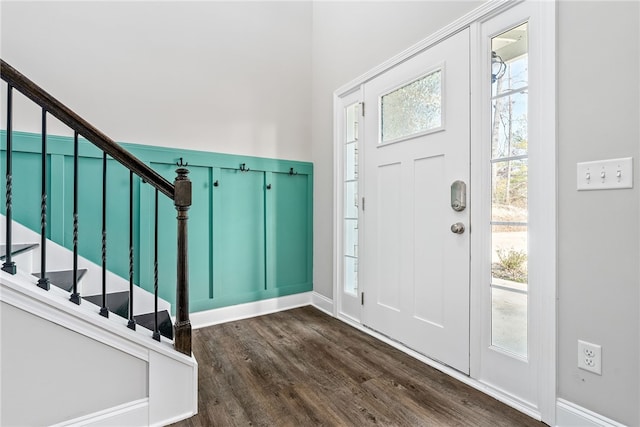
350 38
599 235
76 376
231 77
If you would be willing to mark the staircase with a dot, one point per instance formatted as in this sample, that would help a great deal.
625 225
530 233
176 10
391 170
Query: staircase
81 345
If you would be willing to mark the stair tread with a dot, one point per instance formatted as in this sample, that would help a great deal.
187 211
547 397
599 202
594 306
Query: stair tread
117 302
165 325
63 278
16 249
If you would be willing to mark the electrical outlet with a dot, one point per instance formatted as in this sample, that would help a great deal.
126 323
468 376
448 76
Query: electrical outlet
590 357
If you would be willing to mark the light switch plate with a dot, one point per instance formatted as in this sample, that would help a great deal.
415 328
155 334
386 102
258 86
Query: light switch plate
605 174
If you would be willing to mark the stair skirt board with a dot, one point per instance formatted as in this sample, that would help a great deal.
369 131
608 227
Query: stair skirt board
130 413
134 413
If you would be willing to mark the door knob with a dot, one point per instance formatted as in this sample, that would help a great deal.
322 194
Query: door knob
457 228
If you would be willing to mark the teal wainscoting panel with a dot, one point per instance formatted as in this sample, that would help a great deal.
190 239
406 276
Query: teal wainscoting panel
288 238
247 242
238 235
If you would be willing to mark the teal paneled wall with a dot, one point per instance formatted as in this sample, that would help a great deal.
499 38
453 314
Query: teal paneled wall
239 233
290 238
250 236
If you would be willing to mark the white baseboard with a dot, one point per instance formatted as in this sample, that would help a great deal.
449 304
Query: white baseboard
216 316
322 303
569 414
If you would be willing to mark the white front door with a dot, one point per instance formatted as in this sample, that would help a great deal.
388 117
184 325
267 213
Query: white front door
414 268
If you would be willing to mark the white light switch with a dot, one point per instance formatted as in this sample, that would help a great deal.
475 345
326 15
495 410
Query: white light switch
605 174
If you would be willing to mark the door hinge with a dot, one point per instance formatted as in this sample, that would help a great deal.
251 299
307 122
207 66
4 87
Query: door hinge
362 108
363 203
361 298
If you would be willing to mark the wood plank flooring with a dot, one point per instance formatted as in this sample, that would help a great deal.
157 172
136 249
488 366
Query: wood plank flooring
303 368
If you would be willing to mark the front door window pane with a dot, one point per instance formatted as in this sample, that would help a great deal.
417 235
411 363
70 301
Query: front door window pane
412 109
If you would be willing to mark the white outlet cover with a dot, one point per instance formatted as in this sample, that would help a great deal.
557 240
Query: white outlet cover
590 357
605 174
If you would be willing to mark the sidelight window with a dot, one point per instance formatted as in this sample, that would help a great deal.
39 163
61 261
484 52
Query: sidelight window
509 191
350 235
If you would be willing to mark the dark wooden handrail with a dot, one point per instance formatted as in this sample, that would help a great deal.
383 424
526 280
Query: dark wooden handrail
179 192
89 132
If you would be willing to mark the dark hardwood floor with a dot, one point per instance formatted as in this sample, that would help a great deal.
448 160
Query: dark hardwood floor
303 368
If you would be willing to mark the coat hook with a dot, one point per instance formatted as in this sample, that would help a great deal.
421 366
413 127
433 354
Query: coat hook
182 165
291 172
215 184
244 168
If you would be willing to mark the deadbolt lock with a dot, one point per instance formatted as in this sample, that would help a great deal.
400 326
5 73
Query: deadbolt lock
458 196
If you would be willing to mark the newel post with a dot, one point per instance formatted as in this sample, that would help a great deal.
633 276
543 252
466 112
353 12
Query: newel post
182 202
